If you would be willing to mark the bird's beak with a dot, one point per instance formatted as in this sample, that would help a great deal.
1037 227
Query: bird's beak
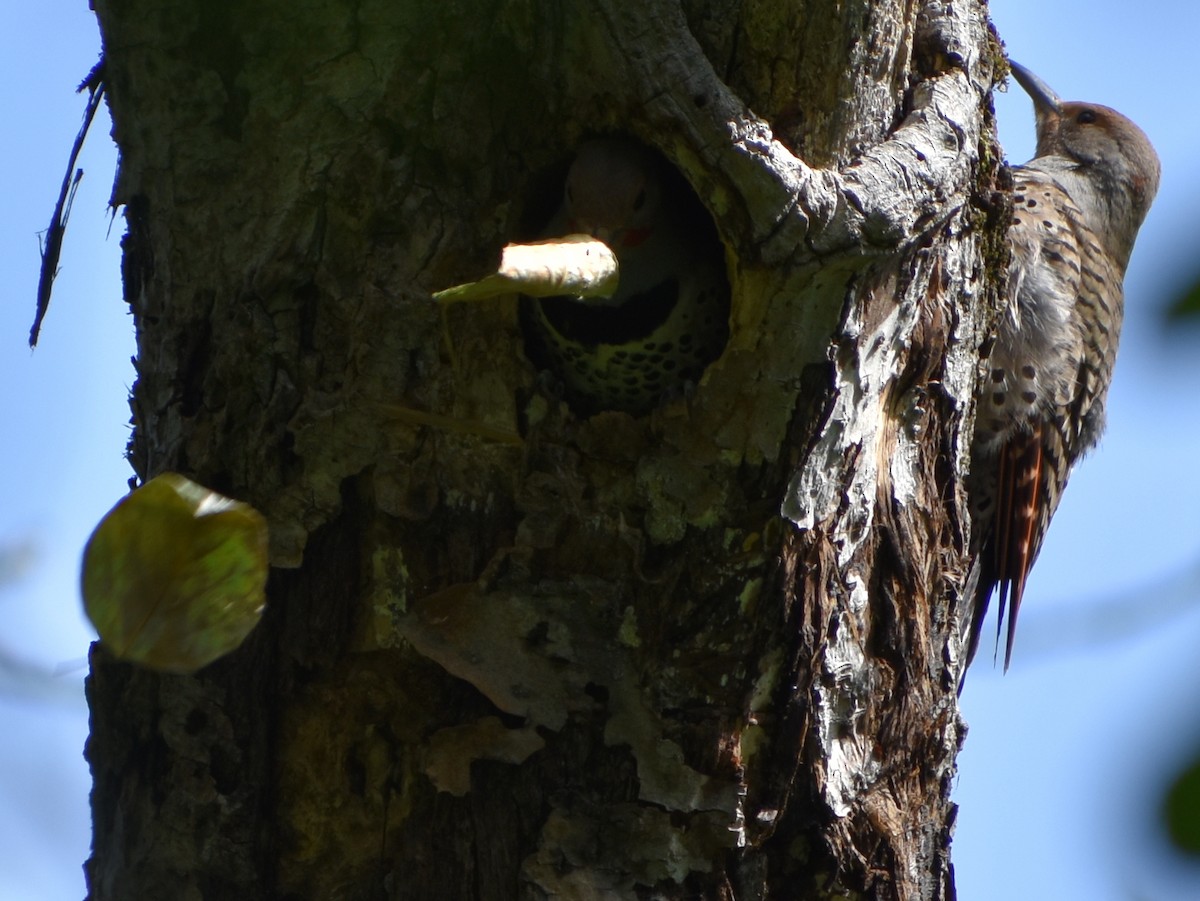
1045 101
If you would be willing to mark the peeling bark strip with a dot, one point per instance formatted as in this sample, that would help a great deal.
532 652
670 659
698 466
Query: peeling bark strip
510 653
52 245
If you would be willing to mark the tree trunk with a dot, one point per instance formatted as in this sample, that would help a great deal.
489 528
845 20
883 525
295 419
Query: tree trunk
711 652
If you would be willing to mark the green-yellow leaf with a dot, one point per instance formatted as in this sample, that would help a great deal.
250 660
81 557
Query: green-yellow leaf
175 575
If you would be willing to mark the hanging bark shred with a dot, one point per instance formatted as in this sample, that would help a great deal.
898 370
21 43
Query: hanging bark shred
52 246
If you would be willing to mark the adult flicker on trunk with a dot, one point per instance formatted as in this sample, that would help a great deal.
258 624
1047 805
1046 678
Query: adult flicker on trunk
669 317
1077 207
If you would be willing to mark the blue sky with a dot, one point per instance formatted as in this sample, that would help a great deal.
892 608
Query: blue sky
1059 777
66 425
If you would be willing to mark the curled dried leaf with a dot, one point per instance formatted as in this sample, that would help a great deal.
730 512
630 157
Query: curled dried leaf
578 265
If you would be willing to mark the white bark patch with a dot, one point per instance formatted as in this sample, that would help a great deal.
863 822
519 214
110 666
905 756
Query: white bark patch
870 435
815 493
851 766
890 196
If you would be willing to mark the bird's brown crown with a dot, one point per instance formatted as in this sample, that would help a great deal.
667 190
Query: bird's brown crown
1103 153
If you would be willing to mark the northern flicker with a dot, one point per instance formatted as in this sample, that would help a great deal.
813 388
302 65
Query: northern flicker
1077 207
669 317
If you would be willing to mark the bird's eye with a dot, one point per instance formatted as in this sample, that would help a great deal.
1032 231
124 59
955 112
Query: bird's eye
640 200
1086 117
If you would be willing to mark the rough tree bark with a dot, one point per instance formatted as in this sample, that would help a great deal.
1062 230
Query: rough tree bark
707 653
